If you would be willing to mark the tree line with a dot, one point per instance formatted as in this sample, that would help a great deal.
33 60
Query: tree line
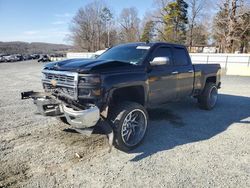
193 23
31 48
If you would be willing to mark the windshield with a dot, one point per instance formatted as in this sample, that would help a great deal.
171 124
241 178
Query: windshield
128 54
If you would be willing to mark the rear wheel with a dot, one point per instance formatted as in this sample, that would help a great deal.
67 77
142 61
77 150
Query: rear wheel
130 122
209 96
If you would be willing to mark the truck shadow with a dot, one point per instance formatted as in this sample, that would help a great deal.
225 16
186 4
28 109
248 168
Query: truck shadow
183 123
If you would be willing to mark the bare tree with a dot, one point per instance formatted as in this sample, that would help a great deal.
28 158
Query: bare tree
220 29
243 28
129 23
231 24
94 28
158 18
89 25
196 8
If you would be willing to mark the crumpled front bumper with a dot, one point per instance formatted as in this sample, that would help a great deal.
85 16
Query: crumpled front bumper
48 105
82 118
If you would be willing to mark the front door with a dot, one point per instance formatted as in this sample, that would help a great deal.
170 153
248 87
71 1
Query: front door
162 79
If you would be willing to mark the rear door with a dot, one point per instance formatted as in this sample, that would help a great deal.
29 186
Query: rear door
185 72
162 83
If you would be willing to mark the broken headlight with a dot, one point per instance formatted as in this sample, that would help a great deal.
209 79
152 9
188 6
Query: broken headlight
89 92
89 86
89 80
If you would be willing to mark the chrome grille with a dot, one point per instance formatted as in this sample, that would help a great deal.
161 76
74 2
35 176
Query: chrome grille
60 78
65 91
61 82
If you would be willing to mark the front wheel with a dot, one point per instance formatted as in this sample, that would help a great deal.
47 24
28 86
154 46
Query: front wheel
130 122
209 96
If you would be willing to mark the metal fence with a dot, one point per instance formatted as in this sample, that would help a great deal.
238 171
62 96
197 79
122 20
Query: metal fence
225 60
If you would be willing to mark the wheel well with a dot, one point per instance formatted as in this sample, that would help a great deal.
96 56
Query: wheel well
211 79
131 93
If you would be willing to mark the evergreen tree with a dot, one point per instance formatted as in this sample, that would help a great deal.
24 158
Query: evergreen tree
148 31
106 18
175 21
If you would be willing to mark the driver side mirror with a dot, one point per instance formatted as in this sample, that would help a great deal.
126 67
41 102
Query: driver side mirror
160 61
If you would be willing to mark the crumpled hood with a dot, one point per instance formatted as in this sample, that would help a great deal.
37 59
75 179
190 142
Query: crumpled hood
85 65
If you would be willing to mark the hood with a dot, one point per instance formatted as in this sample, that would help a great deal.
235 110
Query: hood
86 65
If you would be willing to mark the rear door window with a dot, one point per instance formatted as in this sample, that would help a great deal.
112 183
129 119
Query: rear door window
180 57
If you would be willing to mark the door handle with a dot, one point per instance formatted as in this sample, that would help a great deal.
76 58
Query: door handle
190 71
175 72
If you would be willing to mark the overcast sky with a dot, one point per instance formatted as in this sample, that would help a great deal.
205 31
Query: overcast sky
48 20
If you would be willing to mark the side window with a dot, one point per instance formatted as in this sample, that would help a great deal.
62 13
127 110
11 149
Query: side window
180 57
162 53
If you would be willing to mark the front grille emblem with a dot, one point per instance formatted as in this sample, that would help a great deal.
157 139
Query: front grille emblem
53 83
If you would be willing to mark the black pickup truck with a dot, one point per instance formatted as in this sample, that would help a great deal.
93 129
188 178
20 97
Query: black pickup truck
113 91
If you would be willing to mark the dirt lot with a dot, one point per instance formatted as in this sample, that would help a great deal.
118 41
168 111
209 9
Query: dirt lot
185 146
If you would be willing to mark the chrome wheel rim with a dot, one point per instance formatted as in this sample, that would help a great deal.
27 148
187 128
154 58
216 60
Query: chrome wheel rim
134 127
213 96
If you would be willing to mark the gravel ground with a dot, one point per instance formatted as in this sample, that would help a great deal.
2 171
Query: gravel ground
184 147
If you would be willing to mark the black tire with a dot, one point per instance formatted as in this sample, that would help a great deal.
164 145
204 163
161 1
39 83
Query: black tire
63 119
136 131
208 98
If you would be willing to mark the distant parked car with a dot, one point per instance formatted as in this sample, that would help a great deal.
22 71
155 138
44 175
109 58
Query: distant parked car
7 58
18 57
27 57
1 59
44 58
35 56
57 55
11 58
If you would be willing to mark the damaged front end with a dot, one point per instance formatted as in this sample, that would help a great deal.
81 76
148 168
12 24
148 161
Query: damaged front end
70 96
49 105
